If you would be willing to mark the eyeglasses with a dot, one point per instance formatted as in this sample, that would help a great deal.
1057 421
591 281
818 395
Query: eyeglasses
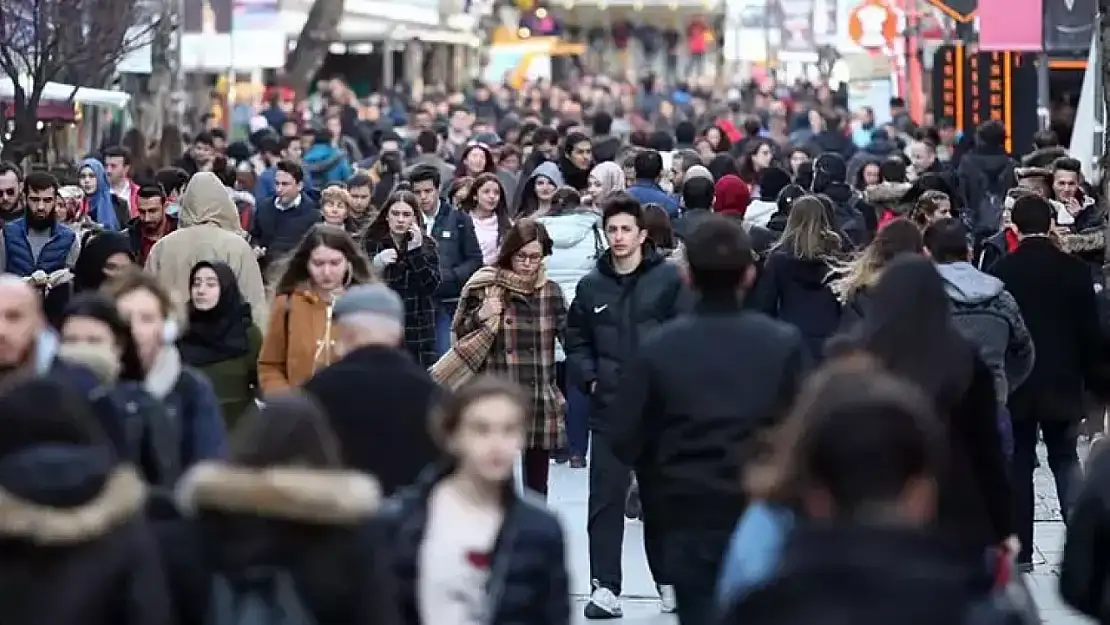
529 258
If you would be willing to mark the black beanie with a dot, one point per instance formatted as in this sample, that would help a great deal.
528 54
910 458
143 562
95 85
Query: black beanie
771 181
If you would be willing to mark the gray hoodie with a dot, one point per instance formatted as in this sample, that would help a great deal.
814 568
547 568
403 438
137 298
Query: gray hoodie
986 313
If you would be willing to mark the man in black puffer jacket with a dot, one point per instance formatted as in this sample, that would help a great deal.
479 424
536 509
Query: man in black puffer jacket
632 291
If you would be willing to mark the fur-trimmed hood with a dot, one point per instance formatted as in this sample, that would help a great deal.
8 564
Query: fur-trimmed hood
886 192
121 498
1032 172
1043 157
314 496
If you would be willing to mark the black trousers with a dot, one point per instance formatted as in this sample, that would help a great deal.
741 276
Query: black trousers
609 482
694 560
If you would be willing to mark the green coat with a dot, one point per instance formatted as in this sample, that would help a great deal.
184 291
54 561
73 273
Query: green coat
235 380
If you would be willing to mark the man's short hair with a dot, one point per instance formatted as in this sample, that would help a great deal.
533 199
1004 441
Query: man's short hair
697 193
292 169
118 151
623 204
946 240
427 141
360 180
424 172
602 123
172 179
1032 214
1067 163
152 190
648 165
7 167
40 181
204 138
719 253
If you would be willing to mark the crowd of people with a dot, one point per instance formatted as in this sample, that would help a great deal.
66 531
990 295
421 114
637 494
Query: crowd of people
290 379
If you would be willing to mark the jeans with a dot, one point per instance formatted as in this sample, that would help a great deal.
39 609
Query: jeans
1059 438
445 312
694 561
609 481
578 413
536 463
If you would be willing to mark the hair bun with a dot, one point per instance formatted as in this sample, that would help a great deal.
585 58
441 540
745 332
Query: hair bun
403 185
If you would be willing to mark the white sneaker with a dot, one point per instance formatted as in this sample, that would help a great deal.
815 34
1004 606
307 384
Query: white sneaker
667 601
603 604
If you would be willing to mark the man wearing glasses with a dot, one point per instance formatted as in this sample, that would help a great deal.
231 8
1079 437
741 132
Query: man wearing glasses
11 207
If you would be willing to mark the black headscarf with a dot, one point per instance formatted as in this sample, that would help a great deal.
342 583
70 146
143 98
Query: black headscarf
88 271
218 334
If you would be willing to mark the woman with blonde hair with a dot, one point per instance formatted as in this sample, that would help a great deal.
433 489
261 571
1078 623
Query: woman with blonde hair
794 286
325 263
900 236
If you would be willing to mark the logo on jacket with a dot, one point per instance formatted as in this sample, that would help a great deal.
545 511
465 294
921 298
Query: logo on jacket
598 309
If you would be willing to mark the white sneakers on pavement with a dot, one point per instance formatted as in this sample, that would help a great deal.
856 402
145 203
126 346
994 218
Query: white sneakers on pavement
603 604
667 601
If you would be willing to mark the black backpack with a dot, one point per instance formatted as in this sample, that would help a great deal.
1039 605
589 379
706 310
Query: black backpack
258 596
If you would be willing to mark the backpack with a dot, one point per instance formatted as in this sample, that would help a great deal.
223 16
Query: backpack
985 215
258 596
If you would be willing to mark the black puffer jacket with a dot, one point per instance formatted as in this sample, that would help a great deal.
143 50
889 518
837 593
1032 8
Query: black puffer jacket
77 550
797 291
610 316
528 582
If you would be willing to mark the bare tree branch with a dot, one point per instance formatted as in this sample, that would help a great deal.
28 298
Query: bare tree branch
319 30
74 41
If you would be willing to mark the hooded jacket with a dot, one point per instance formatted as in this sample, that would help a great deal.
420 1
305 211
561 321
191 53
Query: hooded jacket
527 203
326 163
208 229
988 171
797 291
77 549
886 199
577 243
310 527
988 316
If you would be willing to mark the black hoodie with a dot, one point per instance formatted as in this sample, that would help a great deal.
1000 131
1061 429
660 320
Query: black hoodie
983 178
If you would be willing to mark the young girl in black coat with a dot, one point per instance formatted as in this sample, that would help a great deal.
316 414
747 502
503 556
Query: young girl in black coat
467 547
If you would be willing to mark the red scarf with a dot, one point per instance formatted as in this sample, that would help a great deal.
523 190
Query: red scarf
1011 240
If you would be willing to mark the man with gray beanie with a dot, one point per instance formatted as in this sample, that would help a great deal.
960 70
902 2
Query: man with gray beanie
376 396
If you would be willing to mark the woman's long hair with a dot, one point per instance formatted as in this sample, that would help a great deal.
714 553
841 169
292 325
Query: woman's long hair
747 169
909 331
808 234
379 228
293 270
898 237
502 208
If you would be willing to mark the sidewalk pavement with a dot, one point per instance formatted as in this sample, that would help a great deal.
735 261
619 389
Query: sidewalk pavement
568 493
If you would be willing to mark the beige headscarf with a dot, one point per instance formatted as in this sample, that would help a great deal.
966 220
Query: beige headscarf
611 177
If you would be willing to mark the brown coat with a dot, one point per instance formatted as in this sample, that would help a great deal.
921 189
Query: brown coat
282 362
523 348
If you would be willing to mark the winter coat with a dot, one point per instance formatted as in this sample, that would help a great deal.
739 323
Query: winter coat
392 442
797 291
280 229
985 172
987 315
649 192
886 199
610 316
415 277
577 243
234 380
523 348
326 163
188 427
134 232
691 400
457 248
850 219
844 574
313 525
291 349
55 255
528 578
208 229
1084 570
1057 301
77 549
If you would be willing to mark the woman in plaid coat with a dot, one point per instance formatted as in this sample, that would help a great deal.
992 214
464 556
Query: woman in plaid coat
408 262
532 315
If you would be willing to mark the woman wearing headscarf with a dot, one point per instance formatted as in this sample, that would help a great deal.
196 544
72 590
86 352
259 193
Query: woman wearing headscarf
103 255
221 339
100 203
605 180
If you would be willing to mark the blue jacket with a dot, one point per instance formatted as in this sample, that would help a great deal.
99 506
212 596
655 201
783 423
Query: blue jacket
457 246
325 164
648 192
754 550
22 262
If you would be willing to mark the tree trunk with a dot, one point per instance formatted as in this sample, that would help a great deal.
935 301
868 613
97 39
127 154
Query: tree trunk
152 103
320 29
